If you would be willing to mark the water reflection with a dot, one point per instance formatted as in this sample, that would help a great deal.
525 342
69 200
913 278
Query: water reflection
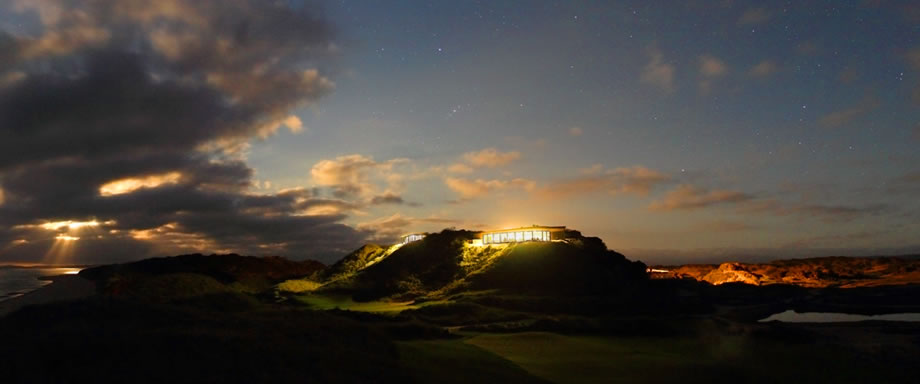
791 316
16 281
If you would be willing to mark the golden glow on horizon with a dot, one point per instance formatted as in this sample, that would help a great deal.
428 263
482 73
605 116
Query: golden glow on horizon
132 184
63 237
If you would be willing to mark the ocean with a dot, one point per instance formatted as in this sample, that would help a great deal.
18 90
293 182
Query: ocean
16 281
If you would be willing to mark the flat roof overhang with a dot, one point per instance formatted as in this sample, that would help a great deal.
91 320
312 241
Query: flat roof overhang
533 228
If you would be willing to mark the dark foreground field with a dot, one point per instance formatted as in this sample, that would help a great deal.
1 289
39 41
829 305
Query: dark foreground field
237 319
238 337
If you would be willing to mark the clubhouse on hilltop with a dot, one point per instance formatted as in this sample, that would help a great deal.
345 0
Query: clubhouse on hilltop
510 235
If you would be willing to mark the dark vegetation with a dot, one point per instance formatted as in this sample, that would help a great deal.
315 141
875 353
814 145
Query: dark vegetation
416 268
192 275
222 318
560 269
213 338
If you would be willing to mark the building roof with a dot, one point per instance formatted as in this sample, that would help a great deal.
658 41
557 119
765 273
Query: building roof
531 228
414 233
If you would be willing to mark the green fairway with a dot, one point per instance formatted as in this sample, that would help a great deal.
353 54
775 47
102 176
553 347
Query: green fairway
327 302
595 359
453 361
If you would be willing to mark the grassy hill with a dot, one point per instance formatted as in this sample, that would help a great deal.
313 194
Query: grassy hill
192 275
446 263
442 310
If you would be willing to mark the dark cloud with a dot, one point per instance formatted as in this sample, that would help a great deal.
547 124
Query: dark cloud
387 198
157 99
844 116
754 16
388 230
685 197
690 197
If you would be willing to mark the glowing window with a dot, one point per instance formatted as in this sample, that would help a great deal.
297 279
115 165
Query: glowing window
519 236
528 235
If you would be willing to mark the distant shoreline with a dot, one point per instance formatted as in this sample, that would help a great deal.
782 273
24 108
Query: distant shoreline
62 288
37 266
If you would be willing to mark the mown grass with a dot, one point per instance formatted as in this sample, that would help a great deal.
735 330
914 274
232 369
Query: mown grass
717 359
326 302
453 361
298 286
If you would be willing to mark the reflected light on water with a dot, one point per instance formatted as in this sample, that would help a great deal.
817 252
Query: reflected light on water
791 316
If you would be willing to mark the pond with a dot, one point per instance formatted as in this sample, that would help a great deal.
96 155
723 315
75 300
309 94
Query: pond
791 316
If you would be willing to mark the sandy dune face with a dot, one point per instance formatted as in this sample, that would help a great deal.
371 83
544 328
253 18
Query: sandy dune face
844 272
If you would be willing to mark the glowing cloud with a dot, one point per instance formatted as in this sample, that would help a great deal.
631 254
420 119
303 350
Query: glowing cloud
490 158
70 224
129 185
476 188
657 72
66 238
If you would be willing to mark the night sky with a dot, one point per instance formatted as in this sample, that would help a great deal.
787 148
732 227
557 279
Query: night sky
691 131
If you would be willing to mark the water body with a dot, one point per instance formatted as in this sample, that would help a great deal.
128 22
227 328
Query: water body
15 281
791 316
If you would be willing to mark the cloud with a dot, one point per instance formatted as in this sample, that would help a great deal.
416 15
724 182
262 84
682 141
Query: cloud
763 69
351 175
754 16
10 78
389 229
576 131
711 66
637 180
657 72
138 115
826 241
132 184
689 197
843 116
913 58
469 189
389 198
806 48
725 226
906 184
490 158
460 168
485 158
686 197
848 75
827 212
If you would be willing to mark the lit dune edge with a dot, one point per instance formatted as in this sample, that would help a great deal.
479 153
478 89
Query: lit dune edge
65 287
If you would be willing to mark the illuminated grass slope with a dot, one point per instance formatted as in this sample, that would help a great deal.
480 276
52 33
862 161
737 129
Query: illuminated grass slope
445 263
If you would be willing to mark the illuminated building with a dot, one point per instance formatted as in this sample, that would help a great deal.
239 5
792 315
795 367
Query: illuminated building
413 237
517 235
